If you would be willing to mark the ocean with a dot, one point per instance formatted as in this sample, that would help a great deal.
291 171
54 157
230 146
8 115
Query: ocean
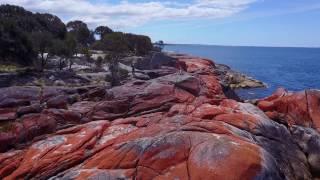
292 68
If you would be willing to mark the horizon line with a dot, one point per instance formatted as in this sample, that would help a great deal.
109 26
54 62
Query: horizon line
254 46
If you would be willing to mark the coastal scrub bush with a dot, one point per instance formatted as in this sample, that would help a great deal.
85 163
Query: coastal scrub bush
128 43
27 36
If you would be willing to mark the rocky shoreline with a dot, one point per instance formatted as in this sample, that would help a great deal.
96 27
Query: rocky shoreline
227 76
174 125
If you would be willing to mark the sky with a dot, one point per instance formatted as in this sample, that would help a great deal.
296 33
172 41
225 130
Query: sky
290 23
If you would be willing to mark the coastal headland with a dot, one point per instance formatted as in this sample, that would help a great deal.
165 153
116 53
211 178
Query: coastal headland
181 120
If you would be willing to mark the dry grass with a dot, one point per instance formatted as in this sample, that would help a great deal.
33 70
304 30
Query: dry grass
8 68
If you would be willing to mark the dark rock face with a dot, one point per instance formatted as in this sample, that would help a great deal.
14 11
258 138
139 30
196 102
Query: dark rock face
176 126
6 79
163 71
229 93
35 108
59 102
309 141
32 77
18 96
188 83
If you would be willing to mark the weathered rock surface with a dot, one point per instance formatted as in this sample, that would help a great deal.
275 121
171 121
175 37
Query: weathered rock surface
227 76
176 126
300 108
32 77
236 79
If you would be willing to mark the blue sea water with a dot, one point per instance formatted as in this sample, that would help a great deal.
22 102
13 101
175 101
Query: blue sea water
292 68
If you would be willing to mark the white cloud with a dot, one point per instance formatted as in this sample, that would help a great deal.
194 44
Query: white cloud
127 14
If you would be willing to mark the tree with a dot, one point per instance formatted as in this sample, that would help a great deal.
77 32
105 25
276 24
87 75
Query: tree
71 45
159 45
26 35
116 43
42 29
18 16
113 64
117 47
61 50
15 46
42 42
102 31
139 44
81 32
51 24
29 22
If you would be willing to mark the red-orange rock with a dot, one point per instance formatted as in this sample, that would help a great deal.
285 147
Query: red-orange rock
166 147
110 110
300 108
267 106
26 129
194 64
208 111
9 162
225 158
177 126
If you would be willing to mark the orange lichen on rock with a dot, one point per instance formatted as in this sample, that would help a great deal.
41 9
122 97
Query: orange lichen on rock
178 126
300 108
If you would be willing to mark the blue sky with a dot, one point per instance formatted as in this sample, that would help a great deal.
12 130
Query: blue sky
219 22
